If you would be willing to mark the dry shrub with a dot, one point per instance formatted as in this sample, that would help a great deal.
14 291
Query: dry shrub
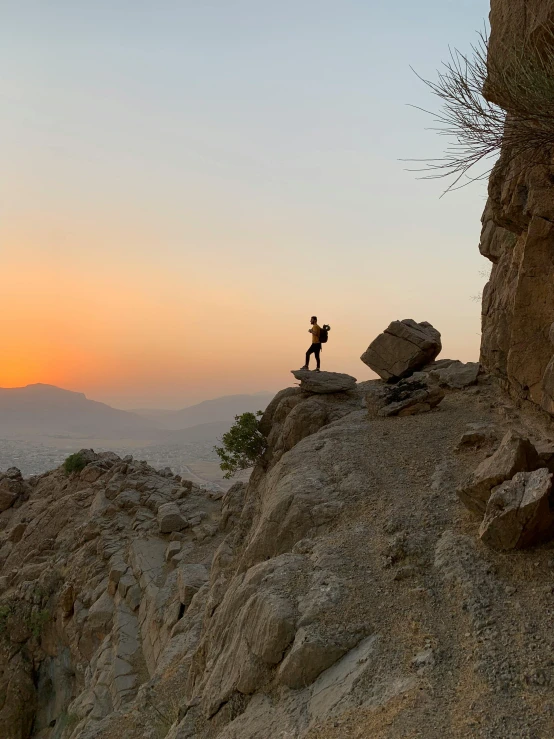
494 98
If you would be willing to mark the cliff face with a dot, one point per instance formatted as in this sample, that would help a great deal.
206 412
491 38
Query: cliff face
518 237
340 593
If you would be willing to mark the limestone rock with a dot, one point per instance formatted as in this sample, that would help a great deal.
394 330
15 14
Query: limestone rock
519 512
457 375
547 399
310 655
271 415
545 450
305 419
101 613
232 505
335 683
376 394
518 237
190 579
515 454
12 488
170 518
324 382
478 435
7 497
403 348
438 364
173 548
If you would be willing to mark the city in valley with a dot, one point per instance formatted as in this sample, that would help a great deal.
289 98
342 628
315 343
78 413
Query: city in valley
41 425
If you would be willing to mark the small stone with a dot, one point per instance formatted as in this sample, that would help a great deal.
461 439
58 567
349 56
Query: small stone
173 548
405 572
423 661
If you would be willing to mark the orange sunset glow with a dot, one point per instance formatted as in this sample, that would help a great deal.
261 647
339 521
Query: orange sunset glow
161 249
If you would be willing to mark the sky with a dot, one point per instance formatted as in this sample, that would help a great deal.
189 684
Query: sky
183 184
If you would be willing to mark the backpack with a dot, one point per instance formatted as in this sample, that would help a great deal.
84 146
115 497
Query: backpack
324 333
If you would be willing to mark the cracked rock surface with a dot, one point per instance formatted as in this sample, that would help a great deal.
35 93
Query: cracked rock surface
342 592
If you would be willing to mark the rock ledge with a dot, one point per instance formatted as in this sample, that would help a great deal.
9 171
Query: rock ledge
324 382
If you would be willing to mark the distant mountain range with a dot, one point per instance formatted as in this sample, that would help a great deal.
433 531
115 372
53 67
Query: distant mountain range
39 410
49 410
209 411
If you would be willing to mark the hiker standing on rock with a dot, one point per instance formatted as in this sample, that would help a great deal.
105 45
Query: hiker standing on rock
315 347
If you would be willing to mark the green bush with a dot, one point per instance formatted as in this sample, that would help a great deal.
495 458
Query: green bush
74 463
243 444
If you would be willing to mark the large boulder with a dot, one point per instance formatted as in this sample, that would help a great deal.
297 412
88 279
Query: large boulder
170 518
403 348
518 512
515 454
324 382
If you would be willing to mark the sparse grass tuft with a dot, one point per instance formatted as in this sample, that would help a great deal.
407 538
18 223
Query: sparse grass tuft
495 99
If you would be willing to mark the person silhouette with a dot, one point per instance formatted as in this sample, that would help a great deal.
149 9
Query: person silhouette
315 347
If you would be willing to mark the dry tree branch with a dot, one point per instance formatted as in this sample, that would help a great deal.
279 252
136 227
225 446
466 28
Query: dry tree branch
516 116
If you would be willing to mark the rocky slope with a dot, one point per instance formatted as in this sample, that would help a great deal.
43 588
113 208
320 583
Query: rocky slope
343 592
518 238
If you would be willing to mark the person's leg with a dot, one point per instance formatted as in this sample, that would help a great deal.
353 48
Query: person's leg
317 350
308 353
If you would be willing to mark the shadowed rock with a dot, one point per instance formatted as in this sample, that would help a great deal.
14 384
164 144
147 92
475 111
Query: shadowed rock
413 397
457 375
403 348
515 454
518 512
408 397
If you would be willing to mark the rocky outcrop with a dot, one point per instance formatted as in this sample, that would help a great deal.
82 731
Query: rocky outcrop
339 591
515 454
294 414
456 375
519 512
13 488
403 348
324 382
518 238
478 435
93 588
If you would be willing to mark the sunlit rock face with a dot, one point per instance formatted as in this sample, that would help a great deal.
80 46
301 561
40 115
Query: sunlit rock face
518 237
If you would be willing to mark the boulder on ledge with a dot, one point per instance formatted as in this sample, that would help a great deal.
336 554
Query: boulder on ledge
324 382
402 349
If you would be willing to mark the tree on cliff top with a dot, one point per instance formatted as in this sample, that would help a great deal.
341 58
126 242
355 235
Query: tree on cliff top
494 98
243 444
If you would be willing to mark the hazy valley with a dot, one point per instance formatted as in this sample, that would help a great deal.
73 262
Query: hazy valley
40 425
